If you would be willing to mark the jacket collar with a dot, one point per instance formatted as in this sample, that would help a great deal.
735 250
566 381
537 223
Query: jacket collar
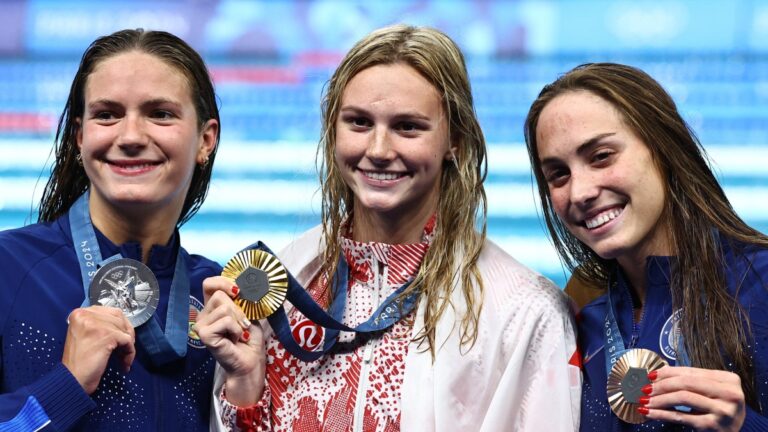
162 258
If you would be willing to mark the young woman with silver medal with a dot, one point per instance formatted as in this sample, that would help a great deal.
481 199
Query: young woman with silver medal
98 295
633 208
410 318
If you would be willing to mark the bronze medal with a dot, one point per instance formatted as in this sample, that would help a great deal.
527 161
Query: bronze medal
628 376
262 280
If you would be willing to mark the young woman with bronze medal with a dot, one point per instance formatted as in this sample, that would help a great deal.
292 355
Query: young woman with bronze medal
677 341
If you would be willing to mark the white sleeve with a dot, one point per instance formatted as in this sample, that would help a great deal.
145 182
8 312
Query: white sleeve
226 417
553 398
540 385
216 424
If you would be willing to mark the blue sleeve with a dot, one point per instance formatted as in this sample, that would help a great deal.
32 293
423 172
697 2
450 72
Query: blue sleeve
754 422
56 399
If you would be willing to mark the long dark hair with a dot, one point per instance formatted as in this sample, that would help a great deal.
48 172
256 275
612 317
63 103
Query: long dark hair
695 205
68 179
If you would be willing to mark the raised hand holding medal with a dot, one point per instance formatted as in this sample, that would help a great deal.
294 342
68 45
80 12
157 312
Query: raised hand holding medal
235 338
130 286
627 370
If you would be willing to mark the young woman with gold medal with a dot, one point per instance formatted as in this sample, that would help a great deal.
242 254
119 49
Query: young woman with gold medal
411 319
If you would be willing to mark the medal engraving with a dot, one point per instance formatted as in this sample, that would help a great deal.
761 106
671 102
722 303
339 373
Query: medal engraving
263 282
128 285
633 381
628 376
253 284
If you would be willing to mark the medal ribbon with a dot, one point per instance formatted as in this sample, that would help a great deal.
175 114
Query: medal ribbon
615 348
162 347
388 313
614 343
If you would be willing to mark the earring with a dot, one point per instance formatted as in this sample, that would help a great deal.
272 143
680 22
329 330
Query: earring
204 165
79 159
453 159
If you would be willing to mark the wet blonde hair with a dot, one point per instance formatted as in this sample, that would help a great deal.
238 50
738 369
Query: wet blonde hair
452 257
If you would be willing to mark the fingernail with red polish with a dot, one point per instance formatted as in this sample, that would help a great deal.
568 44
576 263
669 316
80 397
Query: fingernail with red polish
235 290
642 410
653 375
644 400
246 335
647 389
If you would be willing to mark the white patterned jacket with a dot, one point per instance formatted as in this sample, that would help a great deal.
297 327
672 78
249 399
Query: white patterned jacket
520 375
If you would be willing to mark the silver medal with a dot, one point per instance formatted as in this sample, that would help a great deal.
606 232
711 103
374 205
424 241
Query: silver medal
128 285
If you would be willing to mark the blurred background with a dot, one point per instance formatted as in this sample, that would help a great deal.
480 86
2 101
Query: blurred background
271 59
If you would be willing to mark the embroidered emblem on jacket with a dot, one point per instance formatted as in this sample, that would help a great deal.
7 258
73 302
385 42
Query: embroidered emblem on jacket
670 335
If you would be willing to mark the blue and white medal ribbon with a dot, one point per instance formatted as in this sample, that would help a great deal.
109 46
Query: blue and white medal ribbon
387 314
627 369
162 347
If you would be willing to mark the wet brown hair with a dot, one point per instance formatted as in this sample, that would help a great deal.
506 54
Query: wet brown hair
696 209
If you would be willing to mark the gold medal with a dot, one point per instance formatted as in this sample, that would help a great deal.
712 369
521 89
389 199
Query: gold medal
262 280
628 376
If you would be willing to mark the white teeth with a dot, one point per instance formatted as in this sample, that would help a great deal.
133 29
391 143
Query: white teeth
382 176
603 218
132 166
136 167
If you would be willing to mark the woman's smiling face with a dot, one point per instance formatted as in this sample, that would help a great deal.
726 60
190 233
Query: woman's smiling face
602 180
392 140
139 136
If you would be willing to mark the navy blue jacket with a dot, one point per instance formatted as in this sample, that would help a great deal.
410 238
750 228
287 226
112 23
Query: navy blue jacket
40 284
747 267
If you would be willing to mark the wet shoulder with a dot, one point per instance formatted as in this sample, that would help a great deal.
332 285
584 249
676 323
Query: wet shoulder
746 270
510 284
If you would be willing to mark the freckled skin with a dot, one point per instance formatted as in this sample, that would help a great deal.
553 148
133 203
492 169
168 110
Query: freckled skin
613 172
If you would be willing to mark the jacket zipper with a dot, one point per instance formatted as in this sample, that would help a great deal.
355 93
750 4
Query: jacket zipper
636 328
365 367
